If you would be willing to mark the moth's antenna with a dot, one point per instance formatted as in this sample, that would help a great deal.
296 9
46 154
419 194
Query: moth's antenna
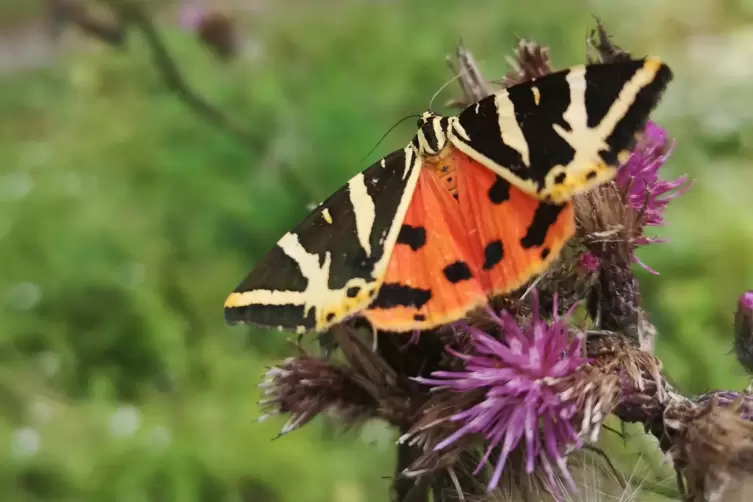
388 131
461 73
444 86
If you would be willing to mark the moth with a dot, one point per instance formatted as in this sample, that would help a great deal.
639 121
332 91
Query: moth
473 207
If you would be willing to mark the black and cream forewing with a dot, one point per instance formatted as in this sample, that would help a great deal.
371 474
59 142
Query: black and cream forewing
332 264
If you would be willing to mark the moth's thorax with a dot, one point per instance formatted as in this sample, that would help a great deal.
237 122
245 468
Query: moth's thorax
442 167
432 135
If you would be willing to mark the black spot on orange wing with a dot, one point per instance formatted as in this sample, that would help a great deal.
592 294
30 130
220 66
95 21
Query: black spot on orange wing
419 317
414 237
493 254
545 253
500 191
543 219
457 272
399 295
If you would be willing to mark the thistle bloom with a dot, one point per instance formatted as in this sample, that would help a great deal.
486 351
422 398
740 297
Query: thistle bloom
589 262
639 178
744 331
529 398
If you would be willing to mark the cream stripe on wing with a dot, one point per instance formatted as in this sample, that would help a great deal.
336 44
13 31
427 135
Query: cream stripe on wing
363 209
576 114
628 95
413 166
436 124
409 161
308 263
512 134
586 141
317 294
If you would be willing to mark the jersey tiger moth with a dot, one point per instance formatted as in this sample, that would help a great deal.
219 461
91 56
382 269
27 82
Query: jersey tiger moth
473 207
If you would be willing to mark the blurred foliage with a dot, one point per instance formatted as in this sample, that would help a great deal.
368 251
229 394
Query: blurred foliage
125 220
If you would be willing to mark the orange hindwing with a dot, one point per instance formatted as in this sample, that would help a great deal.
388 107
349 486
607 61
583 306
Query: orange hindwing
514 235
432 278
468 235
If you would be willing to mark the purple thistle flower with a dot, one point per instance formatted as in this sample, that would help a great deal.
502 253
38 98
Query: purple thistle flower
589 262
639 178
744 330
529 394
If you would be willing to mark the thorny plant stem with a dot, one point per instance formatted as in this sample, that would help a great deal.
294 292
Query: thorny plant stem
132 13
110 31
172 76
407 489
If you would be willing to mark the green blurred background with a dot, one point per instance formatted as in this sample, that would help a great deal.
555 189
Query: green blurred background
125 220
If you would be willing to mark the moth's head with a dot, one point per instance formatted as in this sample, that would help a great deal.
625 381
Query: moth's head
432 133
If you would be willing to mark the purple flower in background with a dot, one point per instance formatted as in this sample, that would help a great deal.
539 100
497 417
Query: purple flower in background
191 15
639 177
744 330
214 28
529 398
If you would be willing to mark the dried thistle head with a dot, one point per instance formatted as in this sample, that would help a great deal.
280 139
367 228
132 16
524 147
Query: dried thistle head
305 386
529 61
473 84
739 402
601 49
431 424
643 391
712 448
